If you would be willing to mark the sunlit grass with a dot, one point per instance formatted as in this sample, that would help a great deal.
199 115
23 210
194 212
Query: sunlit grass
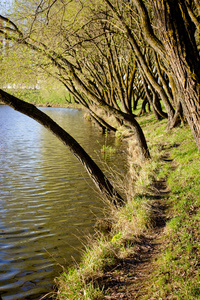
44 97
107 149
79 281
177 274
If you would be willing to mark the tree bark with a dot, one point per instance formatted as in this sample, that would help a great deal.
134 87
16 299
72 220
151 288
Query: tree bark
100 180
177 34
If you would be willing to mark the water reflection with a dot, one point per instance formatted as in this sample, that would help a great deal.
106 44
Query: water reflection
46 200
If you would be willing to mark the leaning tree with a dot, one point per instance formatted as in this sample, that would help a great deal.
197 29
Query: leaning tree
168 29
68 48
95 173
171 29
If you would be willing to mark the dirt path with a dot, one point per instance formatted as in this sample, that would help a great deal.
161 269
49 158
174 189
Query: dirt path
130 277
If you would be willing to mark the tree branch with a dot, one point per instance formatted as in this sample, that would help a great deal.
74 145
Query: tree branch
150 37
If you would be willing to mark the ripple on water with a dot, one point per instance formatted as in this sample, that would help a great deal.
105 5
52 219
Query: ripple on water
47 202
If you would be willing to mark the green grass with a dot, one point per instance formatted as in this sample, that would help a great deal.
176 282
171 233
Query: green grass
107 150
176 272
43 97
79 282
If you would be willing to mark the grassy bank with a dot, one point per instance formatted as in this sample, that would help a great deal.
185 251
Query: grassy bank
177 274
45 97
159 221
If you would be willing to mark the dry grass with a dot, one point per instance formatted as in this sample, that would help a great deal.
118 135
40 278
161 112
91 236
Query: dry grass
122 228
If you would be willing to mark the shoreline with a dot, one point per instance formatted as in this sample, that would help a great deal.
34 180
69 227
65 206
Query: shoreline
54 105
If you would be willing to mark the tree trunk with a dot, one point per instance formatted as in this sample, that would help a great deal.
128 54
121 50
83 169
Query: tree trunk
177 35
140 57
141 140
101 122
143 108
93 170
152 100
129 118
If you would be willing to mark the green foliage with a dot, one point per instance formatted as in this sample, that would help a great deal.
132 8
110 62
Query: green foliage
60 28
107 149
18 67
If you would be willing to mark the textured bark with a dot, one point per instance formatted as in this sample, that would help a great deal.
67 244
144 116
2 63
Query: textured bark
147 28
177 117
141 140
93 170
177 34
143 108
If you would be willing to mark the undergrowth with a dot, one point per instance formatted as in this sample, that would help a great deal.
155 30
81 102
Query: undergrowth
176 274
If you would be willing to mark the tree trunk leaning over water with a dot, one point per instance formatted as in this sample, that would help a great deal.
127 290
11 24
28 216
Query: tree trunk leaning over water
73 75
95 173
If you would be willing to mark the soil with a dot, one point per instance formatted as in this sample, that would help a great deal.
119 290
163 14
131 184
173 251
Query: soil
129 278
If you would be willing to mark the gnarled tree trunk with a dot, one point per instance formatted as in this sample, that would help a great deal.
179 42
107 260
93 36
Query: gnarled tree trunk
177 35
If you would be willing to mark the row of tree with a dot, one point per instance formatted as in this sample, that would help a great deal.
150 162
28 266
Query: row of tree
113 54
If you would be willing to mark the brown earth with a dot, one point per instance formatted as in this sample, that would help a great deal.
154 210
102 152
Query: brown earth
129 278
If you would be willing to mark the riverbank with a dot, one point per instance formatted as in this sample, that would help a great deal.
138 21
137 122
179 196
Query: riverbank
39 98
61 105
150 248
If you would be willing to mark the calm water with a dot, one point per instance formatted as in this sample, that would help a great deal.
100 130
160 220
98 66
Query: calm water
47 201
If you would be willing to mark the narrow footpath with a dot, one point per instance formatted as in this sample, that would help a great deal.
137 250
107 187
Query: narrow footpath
129 279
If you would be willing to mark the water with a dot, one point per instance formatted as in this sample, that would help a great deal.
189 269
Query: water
47 201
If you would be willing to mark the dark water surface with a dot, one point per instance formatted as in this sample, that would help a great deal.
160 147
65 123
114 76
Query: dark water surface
47 200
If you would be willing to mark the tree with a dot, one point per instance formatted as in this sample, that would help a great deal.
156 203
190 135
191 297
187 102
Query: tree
100 180
177 35
169 27
84 48
83 78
